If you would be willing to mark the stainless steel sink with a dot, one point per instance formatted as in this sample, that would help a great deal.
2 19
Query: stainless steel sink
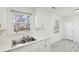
23 40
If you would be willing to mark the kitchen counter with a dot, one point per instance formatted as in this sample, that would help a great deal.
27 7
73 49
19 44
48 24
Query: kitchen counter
5 42
27 44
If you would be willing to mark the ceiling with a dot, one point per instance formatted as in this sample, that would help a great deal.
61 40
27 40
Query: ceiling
64 11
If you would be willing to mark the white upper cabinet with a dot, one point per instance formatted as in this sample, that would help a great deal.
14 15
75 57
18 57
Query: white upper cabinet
2 18
42 18
39 18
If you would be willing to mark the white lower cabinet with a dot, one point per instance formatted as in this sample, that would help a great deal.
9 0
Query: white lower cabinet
41 46
45 46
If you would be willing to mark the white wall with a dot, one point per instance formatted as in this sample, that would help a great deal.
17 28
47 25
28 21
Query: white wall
68 27
60 35
42 28
76 28
74 31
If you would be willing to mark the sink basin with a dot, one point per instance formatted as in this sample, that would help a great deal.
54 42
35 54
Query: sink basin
22 41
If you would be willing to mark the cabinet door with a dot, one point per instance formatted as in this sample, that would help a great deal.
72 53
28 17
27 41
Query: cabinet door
45 46
30 48
41 46
34 47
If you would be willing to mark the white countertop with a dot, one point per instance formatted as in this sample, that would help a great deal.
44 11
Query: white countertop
26 44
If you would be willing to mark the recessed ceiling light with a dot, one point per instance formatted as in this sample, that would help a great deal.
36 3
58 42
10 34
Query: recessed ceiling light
76 10
54 7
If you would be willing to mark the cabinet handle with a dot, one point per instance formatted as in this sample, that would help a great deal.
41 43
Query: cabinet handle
45 45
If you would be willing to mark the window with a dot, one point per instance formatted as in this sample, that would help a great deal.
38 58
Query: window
21 22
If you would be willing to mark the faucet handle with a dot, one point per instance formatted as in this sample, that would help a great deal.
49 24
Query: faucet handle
13 43
23 37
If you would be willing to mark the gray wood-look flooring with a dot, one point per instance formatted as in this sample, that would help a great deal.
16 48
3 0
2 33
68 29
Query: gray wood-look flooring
65 46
